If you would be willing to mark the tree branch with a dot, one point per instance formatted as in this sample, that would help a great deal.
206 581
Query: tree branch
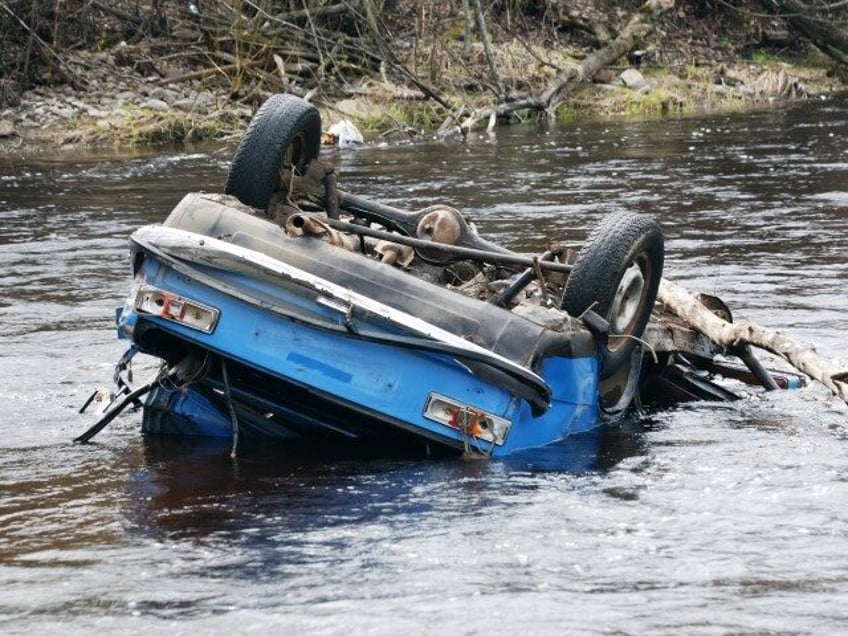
819 29
733 335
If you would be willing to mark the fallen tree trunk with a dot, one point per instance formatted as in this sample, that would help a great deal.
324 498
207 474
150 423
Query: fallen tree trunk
815 25
737 335
637 28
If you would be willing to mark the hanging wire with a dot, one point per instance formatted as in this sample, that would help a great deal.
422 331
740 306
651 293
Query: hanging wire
230 408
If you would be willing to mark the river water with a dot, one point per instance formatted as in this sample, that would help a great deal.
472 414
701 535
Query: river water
702 519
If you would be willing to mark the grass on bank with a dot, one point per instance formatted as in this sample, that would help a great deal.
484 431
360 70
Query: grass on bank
136 126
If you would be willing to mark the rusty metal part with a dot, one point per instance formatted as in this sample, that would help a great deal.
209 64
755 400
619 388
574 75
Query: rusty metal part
507 295
331 194
441 225
311 225
458 251
313 184
408 222
393 253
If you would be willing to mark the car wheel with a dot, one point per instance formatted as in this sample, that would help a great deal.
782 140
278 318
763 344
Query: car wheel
284 135
617 275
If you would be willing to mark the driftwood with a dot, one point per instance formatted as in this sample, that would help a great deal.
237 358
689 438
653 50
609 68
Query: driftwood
735 336
639 26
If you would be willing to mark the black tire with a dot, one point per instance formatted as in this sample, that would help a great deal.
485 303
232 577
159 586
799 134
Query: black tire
286 131
617 275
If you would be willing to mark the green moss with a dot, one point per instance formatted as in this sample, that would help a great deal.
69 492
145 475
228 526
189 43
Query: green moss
761 57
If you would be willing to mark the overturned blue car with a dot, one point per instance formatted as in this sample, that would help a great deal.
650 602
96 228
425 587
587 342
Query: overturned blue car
287 308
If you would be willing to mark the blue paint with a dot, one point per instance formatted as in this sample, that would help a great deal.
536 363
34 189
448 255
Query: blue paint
321 367
389 384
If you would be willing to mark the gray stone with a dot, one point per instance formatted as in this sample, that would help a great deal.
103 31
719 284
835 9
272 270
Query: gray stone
633 79
156 104
126 96
7 128
206 100
164 94
187 105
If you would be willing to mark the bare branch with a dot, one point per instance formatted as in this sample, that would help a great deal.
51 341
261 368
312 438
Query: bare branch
733 335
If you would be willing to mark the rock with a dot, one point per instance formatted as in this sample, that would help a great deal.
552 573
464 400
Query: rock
7 128
206 100
633 79
156 104
126 96
187 105
164 94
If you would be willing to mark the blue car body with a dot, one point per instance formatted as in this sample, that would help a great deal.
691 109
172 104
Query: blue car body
291 338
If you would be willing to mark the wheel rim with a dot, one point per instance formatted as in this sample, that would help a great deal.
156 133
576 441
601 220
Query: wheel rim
628 300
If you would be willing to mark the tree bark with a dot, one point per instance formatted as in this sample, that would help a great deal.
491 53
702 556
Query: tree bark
637 28
813 24
735 335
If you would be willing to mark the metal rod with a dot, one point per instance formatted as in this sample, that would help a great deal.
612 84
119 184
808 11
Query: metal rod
503 258
511 290
331 198
116 410
355 202
230 408
746 354
408 221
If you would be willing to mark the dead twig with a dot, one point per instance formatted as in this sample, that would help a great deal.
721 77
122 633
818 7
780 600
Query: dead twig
64 70
638 27
377 28
480 19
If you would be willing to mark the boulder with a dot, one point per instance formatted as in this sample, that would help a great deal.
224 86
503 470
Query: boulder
633 79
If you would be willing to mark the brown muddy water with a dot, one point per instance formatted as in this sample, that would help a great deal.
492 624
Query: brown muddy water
702 519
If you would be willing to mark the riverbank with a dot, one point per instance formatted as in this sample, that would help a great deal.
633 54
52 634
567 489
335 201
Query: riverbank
139 112
144 93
